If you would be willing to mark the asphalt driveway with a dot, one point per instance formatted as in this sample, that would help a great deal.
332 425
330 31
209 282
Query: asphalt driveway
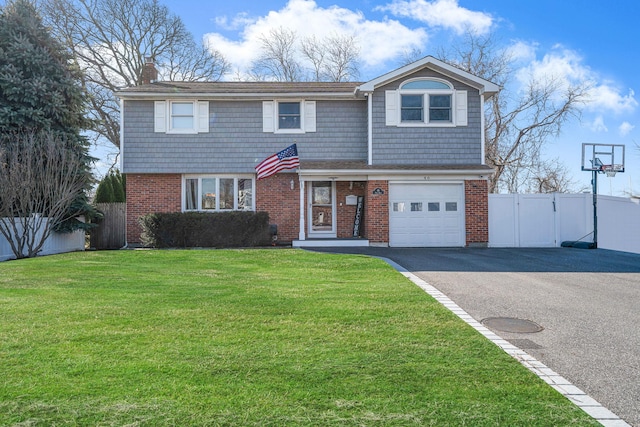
587 301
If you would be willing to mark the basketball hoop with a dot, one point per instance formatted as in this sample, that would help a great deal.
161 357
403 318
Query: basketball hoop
610 170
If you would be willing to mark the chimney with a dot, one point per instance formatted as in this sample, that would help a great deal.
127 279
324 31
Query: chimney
149 72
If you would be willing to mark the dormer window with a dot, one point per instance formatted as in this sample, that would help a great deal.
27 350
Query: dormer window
426 102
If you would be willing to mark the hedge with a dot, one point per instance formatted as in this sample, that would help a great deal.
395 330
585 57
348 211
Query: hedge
210 230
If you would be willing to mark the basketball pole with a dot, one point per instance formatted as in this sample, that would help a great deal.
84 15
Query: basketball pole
594 183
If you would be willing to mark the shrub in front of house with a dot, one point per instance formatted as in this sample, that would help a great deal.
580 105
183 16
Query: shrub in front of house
207 230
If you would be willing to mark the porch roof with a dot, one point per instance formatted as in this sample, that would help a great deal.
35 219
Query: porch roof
321 167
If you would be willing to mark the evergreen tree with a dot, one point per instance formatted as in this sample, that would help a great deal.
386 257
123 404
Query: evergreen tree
104 192
40 92
118 187
111 189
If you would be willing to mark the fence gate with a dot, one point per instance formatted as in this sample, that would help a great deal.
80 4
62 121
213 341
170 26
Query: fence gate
110 233
522 220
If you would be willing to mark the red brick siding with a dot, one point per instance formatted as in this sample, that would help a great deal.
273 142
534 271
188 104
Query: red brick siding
476 194
346 213
376 217
275 196
148 194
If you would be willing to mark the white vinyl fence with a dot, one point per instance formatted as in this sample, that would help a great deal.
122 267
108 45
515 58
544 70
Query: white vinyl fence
547 220
619 224
56 243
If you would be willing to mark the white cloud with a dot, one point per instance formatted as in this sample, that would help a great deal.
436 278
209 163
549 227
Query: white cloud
379 41
598 125
607 97
521 51
237 22
563 65
625 128
567 68
441 13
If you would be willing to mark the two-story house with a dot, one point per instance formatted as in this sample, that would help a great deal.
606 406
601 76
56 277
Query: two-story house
398 160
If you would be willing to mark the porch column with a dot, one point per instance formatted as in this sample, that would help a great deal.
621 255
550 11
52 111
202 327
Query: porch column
301 233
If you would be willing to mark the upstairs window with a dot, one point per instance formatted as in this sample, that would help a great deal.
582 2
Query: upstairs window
289 115
426 102
182 116
412 108
440 108
415 94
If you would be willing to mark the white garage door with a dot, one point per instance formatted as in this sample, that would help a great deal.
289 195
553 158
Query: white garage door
423 215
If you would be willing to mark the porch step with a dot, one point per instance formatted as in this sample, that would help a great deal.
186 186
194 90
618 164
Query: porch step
323 243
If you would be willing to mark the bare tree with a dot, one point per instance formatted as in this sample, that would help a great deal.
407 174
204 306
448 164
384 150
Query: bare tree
286 59
313 50
409 56
111 39
548 176
40 178
517 124
341 58
278 59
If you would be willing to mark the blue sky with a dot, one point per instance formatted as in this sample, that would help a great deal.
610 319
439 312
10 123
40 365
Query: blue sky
572 40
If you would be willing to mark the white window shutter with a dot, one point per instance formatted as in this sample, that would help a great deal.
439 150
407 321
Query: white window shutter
461 108
310 116
391 107
160 116
203 116
268 114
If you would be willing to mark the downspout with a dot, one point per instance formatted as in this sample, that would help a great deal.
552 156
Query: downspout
369 128
301 233
121 132
483 155
126 244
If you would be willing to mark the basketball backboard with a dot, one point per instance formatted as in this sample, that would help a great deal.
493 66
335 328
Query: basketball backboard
604 158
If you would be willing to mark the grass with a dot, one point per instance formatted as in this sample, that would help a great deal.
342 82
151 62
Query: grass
248 338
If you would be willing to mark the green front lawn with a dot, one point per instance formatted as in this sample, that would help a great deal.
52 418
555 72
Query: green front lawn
248 338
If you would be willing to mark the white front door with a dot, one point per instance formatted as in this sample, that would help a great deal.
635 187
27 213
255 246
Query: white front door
322 209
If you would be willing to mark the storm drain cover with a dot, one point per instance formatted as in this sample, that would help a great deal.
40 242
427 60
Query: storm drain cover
511 324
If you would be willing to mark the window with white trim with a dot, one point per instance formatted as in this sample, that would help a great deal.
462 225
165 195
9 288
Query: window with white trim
181 116
209 193
426 102
288 116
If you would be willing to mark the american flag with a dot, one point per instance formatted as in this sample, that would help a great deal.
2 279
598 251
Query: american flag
285 159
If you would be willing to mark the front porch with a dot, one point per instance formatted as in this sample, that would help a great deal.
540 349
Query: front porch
325 243
337 211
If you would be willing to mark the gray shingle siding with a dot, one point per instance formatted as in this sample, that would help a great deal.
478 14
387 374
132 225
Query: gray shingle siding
235 142
427 145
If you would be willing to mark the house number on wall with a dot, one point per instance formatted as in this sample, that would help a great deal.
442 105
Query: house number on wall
378 191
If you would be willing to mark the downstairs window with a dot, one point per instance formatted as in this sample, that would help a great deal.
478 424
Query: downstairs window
218 193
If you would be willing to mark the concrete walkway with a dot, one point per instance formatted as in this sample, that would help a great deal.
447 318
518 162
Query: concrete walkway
587 301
